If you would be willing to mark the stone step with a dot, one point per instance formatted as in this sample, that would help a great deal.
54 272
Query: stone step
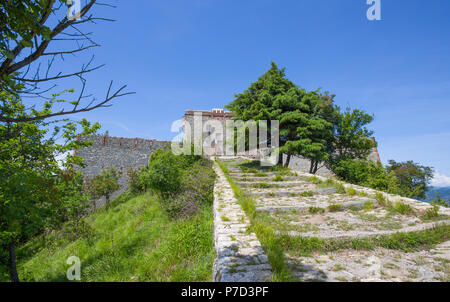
345 205
365 234
275 193
275 184
249 178
241 174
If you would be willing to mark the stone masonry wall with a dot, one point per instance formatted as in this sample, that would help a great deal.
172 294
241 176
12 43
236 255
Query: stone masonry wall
118 153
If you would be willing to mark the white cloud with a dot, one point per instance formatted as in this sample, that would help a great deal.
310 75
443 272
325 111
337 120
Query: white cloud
440 180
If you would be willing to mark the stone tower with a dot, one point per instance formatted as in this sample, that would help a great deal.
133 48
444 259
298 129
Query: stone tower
200 124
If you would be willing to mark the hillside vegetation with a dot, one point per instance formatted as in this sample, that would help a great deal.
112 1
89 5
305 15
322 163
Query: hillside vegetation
134 241
141 236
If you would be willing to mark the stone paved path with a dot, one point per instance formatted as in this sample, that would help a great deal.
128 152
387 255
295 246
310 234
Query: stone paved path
240 257
298 204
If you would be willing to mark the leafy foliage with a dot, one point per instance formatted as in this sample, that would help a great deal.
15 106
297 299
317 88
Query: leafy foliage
351 137
104 184
441 202
163 174
413 178
35 192
406 179
310 124
366 173
183 182
135 183
132 240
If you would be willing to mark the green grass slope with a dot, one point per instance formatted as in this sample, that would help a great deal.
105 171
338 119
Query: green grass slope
132 241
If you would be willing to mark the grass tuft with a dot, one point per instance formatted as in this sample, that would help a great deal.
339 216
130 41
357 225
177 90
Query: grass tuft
335 207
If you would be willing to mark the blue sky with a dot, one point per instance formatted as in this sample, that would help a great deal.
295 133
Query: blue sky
197 54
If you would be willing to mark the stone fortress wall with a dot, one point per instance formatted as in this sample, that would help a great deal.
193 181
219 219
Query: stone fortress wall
119 153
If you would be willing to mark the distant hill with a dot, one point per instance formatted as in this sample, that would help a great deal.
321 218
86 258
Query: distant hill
444 192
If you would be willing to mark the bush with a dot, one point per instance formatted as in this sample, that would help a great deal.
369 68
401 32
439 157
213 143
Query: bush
314 179
278 178
104 184
308 193
433 212
135 181
315 210
403 208
368 174
183 182
353 171
335 207
163 174
351 191
340 189
368 206
198 182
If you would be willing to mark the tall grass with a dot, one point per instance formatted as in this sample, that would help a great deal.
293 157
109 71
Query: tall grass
133 241
407 242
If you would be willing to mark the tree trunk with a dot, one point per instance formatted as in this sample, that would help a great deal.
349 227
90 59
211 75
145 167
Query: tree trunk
280 160
311 166
288 160
12 263
316 163
107 199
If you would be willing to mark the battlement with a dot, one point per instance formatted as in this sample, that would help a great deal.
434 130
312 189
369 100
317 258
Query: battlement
104 141
213 114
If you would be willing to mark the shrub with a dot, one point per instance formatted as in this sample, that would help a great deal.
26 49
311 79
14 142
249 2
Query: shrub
340 189
198 181
381 199
196 188
441 202
403 208
315 210
353 171
278 178
315 179
104 184
351 191
368 174
433 212
335 207
135 183
368 206
163 174
306 194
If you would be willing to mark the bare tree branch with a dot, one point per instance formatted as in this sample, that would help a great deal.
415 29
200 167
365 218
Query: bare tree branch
73 111
70 51
59 76
17 66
